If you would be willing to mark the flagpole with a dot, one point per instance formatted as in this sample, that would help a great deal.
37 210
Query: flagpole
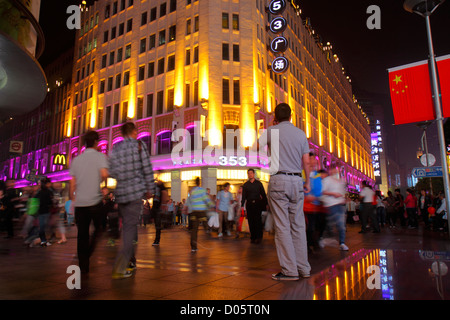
439 119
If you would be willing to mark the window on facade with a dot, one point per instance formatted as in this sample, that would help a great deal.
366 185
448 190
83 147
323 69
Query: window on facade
159 102
225 51
100 118
172 33
105 36
143 18
128 51
151 69
188 26
162 9
121 29
225 21
118 80
236 92
150 105
116 113
195 93
130 3
129 25
102 86
235 52
225 91
153 14
196 24
126 78
235 22
170 100
141 73
195 55
107 11
124 111
140 108
107 116
188 57
161 66
152 42
171 63
113 33
111 58
173 5
187 94
122 5
143 45
119 54
110 83
162 37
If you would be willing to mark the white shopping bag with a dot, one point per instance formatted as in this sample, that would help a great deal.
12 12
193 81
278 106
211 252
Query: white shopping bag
213 222
269 223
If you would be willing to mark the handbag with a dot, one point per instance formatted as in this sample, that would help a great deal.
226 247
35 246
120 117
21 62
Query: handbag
244 226
231 213
268 226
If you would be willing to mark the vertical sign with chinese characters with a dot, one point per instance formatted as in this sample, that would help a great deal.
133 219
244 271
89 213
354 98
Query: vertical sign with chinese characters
280 44
377 149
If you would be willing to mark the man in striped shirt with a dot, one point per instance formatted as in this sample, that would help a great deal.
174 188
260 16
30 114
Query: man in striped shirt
129 164
199 203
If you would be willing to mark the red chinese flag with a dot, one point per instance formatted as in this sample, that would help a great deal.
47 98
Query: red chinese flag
443 65
411 93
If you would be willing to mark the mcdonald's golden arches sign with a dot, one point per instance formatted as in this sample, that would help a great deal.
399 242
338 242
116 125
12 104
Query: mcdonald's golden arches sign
59 159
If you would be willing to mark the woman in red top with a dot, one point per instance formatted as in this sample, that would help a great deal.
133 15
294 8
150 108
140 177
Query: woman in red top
411 209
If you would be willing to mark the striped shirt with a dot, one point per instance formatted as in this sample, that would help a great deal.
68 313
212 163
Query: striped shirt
133 172
199 200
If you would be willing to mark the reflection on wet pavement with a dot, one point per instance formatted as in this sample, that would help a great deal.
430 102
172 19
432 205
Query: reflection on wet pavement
377 274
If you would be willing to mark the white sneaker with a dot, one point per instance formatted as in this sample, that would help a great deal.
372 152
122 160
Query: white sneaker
228 233
329 242
343 247
220 235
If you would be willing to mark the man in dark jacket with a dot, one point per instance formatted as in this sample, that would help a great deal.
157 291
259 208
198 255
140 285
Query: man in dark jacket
45 196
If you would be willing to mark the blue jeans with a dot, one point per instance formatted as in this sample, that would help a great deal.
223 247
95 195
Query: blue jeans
43 220
336 218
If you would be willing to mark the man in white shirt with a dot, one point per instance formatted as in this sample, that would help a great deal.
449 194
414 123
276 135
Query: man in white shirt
333 198
88 170
368 210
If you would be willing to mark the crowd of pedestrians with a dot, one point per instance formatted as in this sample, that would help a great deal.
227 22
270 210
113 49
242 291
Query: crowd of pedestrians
307 206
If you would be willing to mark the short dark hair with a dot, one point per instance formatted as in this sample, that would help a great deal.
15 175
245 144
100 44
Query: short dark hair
127 128
283 112
311 154
252 170
397 190
197 181
226 185
90 138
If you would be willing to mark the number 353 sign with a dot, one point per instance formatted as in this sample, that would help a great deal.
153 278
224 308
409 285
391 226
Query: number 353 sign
280 44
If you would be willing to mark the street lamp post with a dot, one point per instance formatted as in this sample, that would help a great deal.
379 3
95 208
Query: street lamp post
425 8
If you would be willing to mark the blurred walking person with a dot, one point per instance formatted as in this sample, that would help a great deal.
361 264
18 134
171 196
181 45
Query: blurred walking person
389 203
45 196
286 193
425 202
88 171
159 202
129 164
367 196
199 203
411 209
333 197
223 203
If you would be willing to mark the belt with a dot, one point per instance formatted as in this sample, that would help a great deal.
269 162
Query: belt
299 174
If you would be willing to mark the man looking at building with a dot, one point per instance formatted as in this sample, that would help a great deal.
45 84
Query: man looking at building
130 165
286 193
88 170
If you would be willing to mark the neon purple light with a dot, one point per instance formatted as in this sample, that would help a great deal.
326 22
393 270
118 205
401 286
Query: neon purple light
164 131
143 134
118 139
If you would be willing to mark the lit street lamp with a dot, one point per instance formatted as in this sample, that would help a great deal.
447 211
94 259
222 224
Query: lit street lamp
425 8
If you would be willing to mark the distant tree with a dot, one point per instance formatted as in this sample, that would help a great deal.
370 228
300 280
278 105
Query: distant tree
424 183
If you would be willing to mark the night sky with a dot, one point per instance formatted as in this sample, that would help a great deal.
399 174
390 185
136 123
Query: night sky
365 54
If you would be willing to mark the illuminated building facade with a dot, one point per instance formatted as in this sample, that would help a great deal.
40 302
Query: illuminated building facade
203 66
